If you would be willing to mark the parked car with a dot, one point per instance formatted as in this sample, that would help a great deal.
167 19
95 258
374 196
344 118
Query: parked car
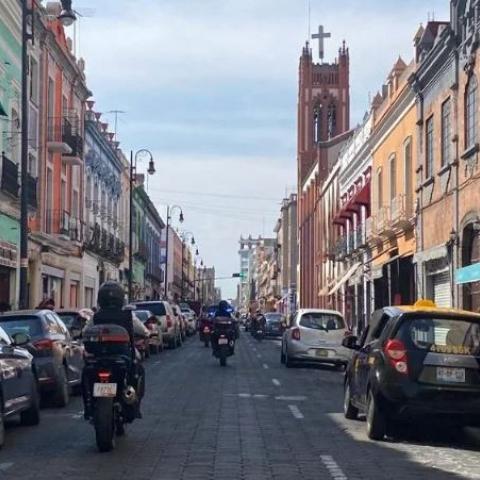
164 313
415 362
74 319
315 335
181 320
274 324
58 358
154 326
190 318
18 382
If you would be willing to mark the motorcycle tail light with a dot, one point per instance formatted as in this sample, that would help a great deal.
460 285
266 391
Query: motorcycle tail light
104 376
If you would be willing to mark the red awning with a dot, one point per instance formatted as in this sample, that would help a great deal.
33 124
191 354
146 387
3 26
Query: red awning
362 197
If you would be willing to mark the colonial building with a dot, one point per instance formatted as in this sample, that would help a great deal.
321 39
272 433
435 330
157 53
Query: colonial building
323 119
390 230
55 247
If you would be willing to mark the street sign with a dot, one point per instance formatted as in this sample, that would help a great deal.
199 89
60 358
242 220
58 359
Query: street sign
468 274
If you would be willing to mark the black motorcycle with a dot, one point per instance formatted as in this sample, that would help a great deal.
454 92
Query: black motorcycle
223 339
109 394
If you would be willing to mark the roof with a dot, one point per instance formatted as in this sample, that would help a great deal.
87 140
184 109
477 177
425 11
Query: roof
25 312
319 310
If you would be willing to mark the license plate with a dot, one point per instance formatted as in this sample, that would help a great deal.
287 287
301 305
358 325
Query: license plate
223 341
452 375
322 353
108 390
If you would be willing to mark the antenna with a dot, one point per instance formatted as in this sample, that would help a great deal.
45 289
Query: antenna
116 113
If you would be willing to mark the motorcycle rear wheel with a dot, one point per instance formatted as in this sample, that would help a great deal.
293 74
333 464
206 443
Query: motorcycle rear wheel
104 421
223 361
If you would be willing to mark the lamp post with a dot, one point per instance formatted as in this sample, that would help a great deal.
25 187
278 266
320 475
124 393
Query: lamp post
67 17
133 176
170 209
184 236
195 267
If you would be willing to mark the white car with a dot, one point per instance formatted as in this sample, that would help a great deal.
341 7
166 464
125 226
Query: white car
171 329
191 319
315 336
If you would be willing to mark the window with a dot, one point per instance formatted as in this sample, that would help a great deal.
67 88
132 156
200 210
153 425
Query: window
4 338
429 146
317 124
379 189
393 177
470 112
49 194
15 140
407 152
34 93
446 132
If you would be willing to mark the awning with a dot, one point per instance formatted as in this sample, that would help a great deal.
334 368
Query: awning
345 278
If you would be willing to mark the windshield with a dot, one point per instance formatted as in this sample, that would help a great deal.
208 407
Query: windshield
273 317
444 335
156 308
31 326
322 321
68 318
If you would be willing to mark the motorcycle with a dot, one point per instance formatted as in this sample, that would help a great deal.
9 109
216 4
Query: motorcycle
223 340
110 399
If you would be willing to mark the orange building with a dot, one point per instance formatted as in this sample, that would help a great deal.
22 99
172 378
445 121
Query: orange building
390 229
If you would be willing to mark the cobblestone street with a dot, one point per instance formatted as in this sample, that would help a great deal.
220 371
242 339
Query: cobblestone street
253 420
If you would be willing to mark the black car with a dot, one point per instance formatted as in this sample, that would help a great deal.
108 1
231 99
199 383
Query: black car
58 358
415 362
274 324
18 382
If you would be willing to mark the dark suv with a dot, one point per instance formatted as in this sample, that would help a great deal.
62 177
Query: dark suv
414 361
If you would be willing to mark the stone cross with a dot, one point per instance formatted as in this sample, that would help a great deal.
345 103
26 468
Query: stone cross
321 36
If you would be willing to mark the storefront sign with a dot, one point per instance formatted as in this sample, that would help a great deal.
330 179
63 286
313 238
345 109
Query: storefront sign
468 274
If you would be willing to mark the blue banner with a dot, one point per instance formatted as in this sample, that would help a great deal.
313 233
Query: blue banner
468 274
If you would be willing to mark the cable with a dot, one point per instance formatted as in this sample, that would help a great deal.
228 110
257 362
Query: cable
221 195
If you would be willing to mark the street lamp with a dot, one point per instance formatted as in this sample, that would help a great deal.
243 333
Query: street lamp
140 155
184 236
170 209
67 18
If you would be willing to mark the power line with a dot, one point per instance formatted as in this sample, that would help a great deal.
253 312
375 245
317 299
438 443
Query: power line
220 195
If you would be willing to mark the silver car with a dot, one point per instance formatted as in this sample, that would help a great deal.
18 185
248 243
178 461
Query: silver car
315 335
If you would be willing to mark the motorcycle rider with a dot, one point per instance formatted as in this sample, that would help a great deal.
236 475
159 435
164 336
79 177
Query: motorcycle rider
259 322
111 300
222 313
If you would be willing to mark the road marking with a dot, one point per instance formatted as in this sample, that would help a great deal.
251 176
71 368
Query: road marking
276 382
333 468
5 466
296 412
284 398
265 366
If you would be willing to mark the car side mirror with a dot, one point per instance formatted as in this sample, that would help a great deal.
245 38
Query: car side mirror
20 339
350 342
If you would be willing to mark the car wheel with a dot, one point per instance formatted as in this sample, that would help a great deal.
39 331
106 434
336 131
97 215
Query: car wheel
62 395
350 411
376 418
282 357
32 415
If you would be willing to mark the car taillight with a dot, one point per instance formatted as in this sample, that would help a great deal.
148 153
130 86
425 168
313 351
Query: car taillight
104 376
296 334
169 321
397 355
44 344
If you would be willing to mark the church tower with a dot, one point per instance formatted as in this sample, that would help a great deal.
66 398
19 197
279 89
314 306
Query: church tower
323 102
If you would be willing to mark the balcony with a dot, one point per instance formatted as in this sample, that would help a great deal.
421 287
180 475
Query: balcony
402 213
384 222
371 232
64 137
9 183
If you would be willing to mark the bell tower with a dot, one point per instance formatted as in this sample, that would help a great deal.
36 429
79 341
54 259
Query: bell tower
323 101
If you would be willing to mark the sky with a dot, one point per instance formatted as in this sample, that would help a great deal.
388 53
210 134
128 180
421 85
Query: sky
210 87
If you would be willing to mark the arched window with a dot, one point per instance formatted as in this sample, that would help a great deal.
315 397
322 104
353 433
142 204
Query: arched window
317 124
332 121
407 160
470 112
393 176
379 189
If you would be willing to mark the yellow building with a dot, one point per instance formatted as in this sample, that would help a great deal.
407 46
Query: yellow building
390 229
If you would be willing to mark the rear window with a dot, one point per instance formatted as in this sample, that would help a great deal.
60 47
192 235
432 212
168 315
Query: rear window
156 308
69 319
444 335
30 325
322 321
275 317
